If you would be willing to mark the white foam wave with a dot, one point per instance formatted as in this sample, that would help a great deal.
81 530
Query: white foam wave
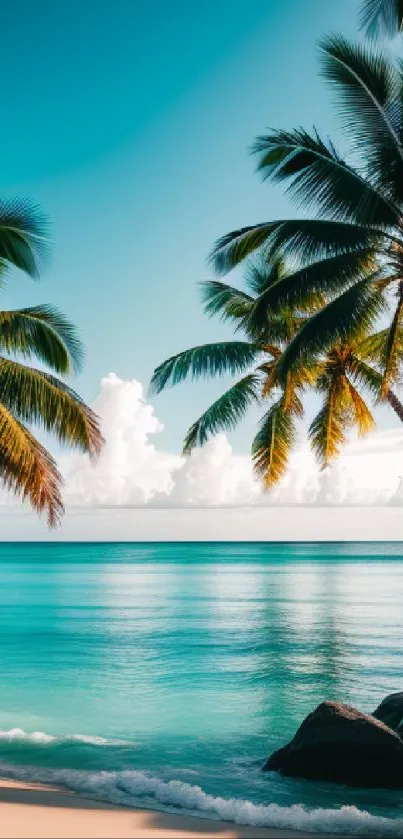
135 788
40 737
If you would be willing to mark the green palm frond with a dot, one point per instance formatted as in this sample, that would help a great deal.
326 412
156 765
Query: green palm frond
23 237
372 347
273 444
225 357
27 469
369 94
225 413
261 273
44 332
381 16
36 397
308 240
347 317
364 375
318 177
305 287
232 248
224 300
304 240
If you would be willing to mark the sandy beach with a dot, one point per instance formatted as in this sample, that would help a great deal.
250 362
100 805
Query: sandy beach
33 811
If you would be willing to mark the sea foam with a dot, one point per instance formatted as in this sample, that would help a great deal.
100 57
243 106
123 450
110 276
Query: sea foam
40 737
130 787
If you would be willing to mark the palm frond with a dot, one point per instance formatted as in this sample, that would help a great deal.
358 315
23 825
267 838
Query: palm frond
36 397
361 415
365 376
225 413
224 300
306 240
318 177
23 237
343 319
369 93
232 248
260 273
381 16
273 444
327 430
27 469
307 285
44 332
229 357
372 347
270 382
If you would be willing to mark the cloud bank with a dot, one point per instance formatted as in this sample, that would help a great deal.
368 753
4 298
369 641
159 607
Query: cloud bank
133 472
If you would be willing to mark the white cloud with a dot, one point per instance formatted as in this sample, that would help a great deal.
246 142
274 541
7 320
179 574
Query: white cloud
132 471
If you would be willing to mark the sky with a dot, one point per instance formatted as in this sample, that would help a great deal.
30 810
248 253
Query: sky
129 123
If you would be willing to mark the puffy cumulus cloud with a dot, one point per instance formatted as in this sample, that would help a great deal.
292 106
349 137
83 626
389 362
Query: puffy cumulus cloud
130 469
133 471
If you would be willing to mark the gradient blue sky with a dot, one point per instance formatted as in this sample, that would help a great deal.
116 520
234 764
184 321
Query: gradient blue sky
129 122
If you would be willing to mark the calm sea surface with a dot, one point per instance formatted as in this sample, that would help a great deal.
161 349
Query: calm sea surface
163 675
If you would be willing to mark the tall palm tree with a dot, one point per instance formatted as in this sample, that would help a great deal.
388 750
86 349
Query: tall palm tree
352 247
382 17
338 377
29 395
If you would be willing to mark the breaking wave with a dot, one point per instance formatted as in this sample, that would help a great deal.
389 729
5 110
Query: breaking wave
130 787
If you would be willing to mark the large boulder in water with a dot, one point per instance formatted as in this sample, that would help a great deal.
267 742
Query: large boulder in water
338 743
390 712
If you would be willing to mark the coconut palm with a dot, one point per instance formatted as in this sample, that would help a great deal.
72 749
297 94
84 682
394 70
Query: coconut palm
29 396
352 247
338 377
382 17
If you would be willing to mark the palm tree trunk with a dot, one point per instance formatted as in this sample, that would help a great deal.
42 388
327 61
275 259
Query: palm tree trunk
395 403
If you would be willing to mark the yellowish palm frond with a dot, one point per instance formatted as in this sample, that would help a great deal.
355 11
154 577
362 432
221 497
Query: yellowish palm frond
361 415
327 431
270 381
28 469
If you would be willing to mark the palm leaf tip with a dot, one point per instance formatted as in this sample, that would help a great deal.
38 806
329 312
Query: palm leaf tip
24 237
225 357
234 247
43 332
381 16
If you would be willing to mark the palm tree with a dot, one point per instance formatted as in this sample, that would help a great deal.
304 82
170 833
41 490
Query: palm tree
337 377
352 248
29 395
382 16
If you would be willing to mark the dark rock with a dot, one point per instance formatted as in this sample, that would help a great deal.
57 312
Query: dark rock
390 712
338 743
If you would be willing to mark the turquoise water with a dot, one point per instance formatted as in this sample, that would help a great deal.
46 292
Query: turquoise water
163 675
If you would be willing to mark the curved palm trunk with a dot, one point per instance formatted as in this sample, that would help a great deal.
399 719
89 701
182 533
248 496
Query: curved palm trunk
395 403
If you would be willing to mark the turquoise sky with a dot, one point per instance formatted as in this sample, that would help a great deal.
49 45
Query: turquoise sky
129 122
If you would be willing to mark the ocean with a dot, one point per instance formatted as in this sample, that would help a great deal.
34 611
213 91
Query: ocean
163 675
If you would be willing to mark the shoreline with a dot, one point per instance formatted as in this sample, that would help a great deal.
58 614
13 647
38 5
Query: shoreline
38 811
